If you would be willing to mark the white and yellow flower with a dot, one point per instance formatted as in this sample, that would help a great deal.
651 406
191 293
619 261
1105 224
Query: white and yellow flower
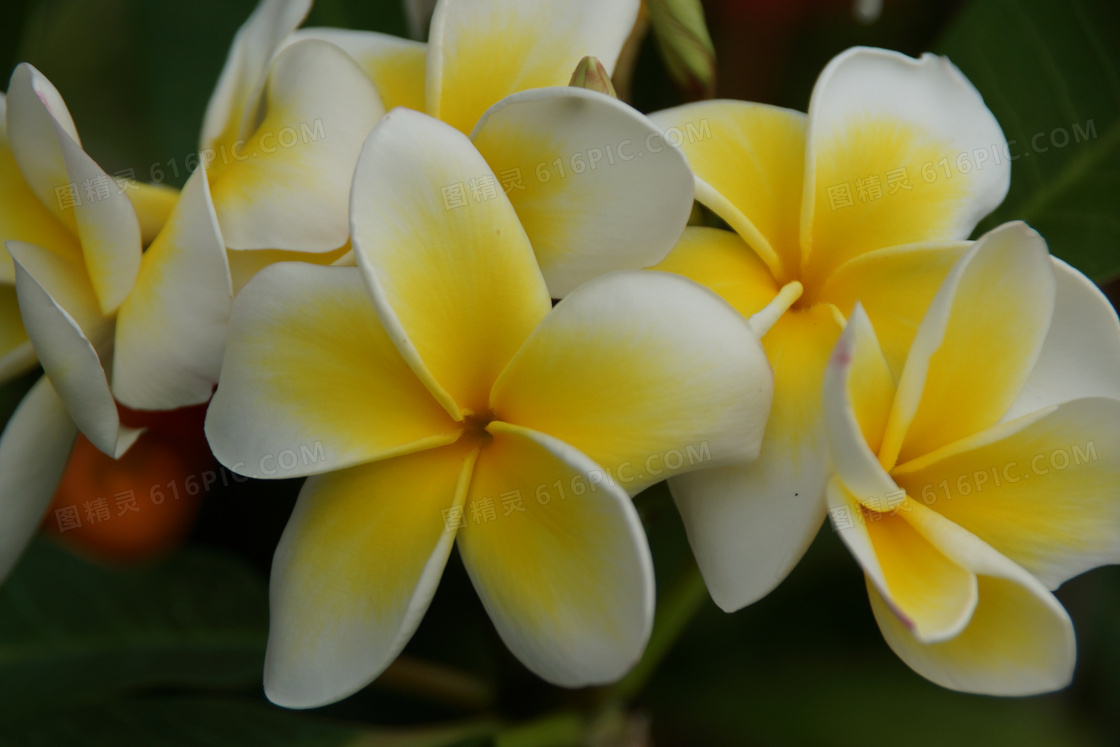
986 471
867 197
294 199
73 243
436 382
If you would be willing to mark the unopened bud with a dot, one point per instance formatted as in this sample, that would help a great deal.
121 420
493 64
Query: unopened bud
591 74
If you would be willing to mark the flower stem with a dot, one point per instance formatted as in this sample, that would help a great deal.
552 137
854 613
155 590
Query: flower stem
438 683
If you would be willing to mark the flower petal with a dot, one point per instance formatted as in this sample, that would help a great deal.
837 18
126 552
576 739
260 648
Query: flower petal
749 163
396 66
34 449
568 581
931 594
1019 640
895 286
876 116
976 346
480 52
456 284
355 570
51 159
310 371
1081 354
647 373
1041 490
153 204
586 208
171 330
64 347
748 525
231 111
286 186
722 261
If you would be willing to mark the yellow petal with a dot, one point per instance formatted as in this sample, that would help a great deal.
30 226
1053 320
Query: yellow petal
880 121
311 381
647 373
481 52
456 282
722 261
895 286
17 356
1042 490
1019 640
976 346
356 569
749 164
561 562
932 595
24 218
153 204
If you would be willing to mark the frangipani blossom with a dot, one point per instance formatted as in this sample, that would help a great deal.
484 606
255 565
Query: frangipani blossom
867 197
73 259
442 386
290 203
990 473
592 181
280 138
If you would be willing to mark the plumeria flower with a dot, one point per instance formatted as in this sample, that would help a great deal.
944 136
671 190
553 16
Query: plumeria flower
74 257
436 388
593 182
280 138
867 197
988 471
588 208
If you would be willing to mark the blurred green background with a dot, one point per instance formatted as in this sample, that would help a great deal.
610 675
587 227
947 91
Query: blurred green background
170 653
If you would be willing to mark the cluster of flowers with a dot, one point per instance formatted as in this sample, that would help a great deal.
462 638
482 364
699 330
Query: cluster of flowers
385 288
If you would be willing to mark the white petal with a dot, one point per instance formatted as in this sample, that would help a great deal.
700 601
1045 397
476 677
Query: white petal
618 198
1081 354
34 450
171 330
68 357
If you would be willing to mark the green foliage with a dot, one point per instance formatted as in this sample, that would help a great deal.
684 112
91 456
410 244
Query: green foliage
1050 72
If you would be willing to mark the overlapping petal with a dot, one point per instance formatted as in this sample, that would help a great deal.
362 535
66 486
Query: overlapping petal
1019 640
50 158
749 165
396 66
569 160
233 107
567 578
748 525
479 53
66 346
977 345
456 284
1043 490
311 381
1081 354
355 570
646 373
286 185
171 330
877 116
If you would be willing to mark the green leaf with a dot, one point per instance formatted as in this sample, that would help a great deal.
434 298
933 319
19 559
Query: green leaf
686 46
1050 72
72 632
211 722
